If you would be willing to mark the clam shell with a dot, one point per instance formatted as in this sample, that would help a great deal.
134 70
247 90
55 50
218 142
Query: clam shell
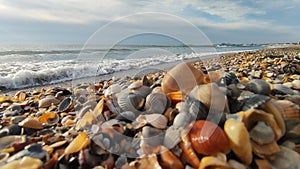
209 139
143 91
77 144
152 136
262 134
183 77
239 140
258 86
182 119
156 103
32 123
211 96
172 137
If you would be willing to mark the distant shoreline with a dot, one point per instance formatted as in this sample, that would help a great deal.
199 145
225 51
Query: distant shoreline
129 73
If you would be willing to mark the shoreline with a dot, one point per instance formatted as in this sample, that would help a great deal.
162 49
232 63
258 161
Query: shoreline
133 72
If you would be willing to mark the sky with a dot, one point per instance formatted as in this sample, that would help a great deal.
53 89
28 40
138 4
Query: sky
111 21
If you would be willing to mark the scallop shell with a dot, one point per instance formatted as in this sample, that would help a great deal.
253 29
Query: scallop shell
156 103
288 109
258 86
143 91
130 101
182 119
183 77
254 101
32 123
239 140
172 137
209 139
78 143
211 96
252 116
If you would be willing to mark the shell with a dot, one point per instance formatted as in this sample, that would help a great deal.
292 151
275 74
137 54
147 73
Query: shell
24 163
143 91
47 101
254 101
288 109
172 137
239 140
262 134
130 101
32 123
77 144
188 154
50 118
266 150
127 116
263 164
236 165
176 96
211 96
282 89
169 160
213 76
183 77
209 139
286 158
3 157
296 84
272 108
213 162
252 116
148 162
182 119
157 120
156 103
135 85
258 86
229 78
66 105
152 136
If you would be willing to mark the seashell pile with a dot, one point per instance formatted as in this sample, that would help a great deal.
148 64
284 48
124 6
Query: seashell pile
187 117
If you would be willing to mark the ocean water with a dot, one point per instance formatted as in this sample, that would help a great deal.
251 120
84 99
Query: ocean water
31 65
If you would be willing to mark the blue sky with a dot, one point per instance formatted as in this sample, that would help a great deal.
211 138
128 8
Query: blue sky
79 21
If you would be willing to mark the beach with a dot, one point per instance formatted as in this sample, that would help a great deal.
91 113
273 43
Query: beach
133 119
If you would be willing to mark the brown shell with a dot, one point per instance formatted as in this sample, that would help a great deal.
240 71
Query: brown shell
213 162
209 139
78 143
169 160
289 109
182 77
32 123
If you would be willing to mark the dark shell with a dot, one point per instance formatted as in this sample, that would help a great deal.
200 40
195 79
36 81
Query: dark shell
66 104
209 139
258 86
254 101
229 78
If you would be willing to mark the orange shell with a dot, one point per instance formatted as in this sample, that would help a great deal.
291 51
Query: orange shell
209 139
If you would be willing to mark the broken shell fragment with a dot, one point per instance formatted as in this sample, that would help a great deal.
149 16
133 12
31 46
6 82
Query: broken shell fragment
32 123
77 144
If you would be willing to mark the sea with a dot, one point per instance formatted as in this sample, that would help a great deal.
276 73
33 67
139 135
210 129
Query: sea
23 66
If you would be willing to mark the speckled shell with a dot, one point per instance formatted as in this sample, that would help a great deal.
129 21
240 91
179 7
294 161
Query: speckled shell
182 77
209 139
